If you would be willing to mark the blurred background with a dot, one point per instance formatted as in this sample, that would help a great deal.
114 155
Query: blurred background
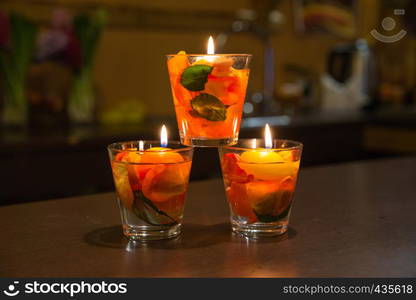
76 75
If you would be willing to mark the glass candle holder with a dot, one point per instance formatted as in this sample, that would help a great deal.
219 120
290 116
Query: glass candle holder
208 93
151 183
260 185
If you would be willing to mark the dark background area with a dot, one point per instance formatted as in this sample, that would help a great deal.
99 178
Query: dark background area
48 155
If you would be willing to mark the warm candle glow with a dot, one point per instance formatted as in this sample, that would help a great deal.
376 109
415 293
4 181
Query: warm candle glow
210 47
268 137
163 137
141 146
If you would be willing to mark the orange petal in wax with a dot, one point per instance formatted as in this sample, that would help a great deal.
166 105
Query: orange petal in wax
164 181
238 198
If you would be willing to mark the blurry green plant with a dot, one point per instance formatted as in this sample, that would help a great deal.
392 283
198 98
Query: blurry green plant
88 30
129 111
15 57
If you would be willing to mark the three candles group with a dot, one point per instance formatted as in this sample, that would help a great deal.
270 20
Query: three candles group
151 178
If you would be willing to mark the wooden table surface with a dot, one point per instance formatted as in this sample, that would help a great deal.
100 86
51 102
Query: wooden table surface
348 220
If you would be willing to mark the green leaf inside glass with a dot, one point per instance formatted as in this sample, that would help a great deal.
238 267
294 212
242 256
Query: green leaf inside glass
145 210
274 207
195 77
209 107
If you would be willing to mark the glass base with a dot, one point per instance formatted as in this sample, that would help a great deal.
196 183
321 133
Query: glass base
144 233
260 230
202 142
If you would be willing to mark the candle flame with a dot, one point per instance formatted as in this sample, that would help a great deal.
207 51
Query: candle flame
141 146
163 137
210 47
254 144
268 142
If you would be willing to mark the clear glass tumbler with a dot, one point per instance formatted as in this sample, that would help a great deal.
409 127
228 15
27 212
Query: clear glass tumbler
260 184
208 93
151 184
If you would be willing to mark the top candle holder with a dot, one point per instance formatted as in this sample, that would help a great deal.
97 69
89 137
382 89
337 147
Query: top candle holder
208 93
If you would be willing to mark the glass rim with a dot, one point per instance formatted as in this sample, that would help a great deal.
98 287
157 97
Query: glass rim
112 146
296 145
212 55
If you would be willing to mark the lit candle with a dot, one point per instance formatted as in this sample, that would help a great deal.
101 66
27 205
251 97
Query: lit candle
163 141
262 161
216 84
222 64
161 154
262 155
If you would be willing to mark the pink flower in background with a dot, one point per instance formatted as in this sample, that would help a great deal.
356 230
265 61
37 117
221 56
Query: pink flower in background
50 43
59 41
4 30
61 19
